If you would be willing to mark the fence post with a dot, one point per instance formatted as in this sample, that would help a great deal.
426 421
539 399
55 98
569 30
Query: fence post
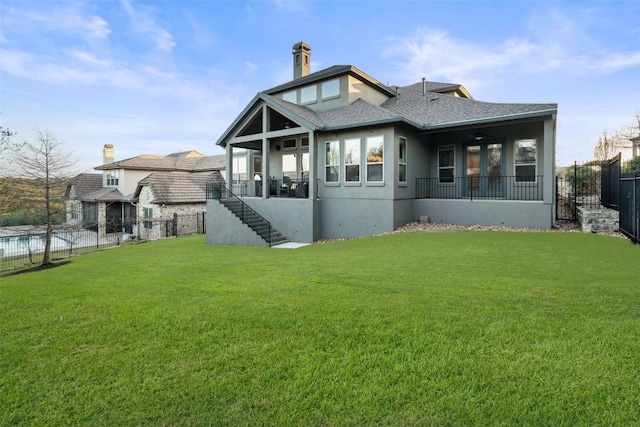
575 190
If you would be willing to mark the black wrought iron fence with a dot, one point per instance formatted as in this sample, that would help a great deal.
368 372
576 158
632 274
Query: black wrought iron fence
23 246
630 205
481 187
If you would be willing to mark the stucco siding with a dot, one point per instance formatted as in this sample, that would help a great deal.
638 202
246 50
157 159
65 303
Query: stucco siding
224 228
355 217
295 219
507 213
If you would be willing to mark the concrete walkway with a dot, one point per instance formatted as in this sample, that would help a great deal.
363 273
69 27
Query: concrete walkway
291 245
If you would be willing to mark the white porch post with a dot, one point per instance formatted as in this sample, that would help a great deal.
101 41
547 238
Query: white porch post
549 163
229 167
266 155
312 166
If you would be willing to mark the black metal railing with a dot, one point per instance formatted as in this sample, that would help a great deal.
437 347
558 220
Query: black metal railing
244 212
481 187
629 207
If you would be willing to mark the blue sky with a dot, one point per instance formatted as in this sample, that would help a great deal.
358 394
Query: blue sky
157 77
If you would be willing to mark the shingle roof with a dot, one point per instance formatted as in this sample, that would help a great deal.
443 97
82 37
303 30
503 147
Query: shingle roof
358 113
435 110
105 195
178 187
183 161
84 183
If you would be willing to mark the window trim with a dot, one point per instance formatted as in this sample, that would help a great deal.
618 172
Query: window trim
452 167
402 141
534 163
326 165
322 87
113 178
310 101
358 143
368 163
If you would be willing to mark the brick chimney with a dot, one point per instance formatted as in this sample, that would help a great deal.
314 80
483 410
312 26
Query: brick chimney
108 154
301 60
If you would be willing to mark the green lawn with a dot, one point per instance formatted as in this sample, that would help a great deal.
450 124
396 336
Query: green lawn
458 328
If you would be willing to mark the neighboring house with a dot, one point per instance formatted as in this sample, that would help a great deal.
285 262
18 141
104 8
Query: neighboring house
139 195
336 153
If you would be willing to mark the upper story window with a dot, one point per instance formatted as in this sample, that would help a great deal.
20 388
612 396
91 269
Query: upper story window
402 160
290 96
332 161
309 94
375 158
446 163
352 160
112 178
289 144
330 89
525 160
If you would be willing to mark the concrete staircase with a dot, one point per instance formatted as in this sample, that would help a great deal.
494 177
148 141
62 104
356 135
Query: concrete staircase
253 220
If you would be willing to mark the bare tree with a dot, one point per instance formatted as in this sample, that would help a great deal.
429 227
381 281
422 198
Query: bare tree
43 166
607 146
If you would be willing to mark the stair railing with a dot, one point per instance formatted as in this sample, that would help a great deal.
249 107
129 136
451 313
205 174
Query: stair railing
245 212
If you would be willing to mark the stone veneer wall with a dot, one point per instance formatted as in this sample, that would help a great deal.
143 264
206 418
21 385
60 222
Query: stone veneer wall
595 220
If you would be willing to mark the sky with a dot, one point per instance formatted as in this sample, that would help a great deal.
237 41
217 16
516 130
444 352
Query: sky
157 77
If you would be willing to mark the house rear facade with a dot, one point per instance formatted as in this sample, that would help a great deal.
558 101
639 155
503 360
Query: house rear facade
336 153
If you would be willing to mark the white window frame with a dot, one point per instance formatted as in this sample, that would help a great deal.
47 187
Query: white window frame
289 144
357 161
328 165
402 163
76 210
369 163
533 163
452 167
291 96
324 87
309 94
113 178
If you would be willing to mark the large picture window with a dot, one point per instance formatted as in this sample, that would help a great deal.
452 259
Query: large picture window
402 160
525 160
308 94
332 161
330 89
375 158
352 160
446 163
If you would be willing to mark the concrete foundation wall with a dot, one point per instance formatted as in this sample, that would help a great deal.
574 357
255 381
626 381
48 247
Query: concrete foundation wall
224 228
355 217
295 219
507 213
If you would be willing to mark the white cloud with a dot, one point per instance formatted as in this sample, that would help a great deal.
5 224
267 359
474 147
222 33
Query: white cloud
144 24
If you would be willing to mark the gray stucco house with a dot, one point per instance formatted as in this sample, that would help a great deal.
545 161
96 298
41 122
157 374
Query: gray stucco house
336 153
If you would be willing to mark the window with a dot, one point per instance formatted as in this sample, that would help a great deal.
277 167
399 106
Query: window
525 160
352 160
375 156
446 163
148 218
330 89
239 168
332 161
76 210
402 160
308 94
112 178
257 167
289 144
304 141
289 167
290 96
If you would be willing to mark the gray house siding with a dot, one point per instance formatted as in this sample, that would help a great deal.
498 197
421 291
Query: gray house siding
223 228
296 219
355 217
508 213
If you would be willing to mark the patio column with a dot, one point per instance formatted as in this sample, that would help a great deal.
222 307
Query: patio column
229 167
312 166
266 161
549 163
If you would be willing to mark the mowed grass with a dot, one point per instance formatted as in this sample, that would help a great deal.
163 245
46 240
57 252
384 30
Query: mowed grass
458 328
